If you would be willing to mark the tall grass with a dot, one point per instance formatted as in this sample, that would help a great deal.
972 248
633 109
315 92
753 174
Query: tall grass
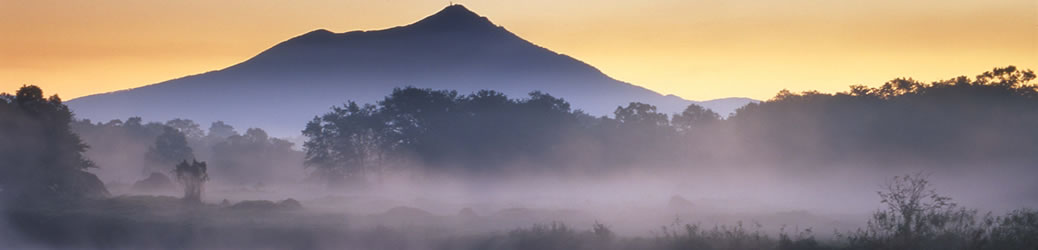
914 216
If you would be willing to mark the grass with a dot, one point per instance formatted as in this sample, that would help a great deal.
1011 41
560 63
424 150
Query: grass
216 227
915 218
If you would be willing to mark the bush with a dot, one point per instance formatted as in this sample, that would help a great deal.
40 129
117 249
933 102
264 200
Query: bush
917 217
155 182
254 205
692 236
289 204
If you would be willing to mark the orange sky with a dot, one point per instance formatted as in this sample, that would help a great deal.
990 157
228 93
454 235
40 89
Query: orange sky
697 49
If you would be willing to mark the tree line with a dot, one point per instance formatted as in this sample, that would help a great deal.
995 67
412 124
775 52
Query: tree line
135 149
486 132
983 119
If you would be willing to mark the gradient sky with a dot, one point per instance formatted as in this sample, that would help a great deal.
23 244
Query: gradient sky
694 49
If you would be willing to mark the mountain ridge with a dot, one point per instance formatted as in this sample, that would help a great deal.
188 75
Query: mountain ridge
453 49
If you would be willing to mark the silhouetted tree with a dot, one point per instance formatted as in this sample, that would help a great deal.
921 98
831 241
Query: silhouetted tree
694 116
346 143
638 134
41 158
640 115
947 121
193 176
170 147
187 127
134 147
917 217
253 157
483 132
220 130
120 148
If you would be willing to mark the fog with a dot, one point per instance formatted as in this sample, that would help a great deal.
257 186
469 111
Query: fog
636 203
435 169
633 203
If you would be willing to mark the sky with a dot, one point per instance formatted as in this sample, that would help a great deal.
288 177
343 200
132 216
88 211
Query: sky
696 49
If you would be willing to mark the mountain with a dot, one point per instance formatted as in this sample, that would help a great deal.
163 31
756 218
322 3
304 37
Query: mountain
282 88
725 106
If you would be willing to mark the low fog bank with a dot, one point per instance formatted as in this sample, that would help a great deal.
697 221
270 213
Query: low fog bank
632 202
641 206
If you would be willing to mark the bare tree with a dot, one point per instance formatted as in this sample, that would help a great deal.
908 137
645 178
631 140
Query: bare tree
911 200
916 216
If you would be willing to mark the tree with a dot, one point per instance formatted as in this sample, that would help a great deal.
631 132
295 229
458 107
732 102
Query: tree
42 158
188 127
638 114
121 149
915 216
410 115
253 157
193 176
346 143
693 117
911 199
943 123
170 147
441 132
221 130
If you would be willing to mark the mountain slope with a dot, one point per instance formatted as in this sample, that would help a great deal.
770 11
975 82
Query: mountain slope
285 86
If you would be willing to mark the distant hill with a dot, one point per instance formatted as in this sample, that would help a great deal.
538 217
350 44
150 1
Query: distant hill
285 86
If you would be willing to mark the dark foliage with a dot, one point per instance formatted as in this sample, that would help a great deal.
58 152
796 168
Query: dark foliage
170 147
478 133
917 217
42 159
193 176
252 157
132 150
155 182
962 120
959 120
121 148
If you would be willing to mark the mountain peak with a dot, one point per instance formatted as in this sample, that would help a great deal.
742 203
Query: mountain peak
454 17
457 7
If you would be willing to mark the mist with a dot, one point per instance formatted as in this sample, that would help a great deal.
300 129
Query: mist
438 169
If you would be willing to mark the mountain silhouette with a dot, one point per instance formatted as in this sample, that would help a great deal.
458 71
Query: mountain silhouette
285 86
